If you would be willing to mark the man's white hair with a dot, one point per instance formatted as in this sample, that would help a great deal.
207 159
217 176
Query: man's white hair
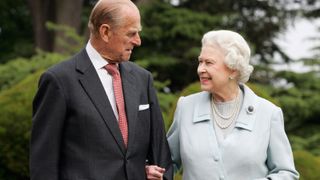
236 51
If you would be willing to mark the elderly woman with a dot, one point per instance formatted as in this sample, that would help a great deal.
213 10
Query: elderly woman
227 131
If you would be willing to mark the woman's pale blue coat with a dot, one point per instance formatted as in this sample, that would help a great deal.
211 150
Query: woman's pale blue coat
257 148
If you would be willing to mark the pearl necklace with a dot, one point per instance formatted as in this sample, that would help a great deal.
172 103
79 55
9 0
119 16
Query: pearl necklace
225 121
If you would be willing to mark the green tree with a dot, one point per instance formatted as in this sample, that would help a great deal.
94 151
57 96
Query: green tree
60 12
171 41
259 21
15 30
300 99
311 10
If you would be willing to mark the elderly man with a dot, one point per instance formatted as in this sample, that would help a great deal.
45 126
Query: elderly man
96 116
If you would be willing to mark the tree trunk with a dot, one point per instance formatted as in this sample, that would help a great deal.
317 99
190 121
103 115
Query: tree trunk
61 12
68 13
41 12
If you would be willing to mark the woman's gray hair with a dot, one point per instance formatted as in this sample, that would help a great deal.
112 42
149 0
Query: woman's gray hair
236 50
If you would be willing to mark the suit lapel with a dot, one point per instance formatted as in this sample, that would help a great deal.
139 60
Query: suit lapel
131 97
90 82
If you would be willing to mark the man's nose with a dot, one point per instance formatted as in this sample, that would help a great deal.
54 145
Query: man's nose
137 41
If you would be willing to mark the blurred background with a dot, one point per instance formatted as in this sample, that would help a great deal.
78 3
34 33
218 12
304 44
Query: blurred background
35 34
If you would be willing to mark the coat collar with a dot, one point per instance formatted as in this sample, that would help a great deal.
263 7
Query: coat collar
203 110
247 114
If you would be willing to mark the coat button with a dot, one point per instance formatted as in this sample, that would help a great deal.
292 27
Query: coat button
216 158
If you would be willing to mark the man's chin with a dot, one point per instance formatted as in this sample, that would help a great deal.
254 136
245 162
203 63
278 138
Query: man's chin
120 60
125 59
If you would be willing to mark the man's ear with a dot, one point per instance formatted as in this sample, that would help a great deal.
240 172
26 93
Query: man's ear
104 31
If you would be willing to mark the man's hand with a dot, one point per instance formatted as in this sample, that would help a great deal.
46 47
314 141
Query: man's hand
154 172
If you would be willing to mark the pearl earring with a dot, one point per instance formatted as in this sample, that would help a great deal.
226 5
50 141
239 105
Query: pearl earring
230 78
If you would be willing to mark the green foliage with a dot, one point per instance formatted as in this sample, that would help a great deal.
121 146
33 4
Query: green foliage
159 61
171 41
295 111
192 88
177 176
18 84
68 41
173 23
263 91
167 101
17 69
258 21
15 125
313 63
310 144
300 101
307 81
307 165
307 138
15 30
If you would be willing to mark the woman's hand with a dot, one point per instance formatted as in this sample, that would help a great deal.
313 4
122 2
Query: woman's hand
154 172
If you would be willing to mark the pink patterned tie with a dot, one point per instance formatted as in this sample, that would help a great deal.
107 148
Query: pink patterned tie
117 88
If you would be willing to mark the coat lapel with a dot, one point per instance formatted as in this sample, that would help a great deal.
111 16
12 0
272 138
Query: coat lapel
131 98
203 114
247 115
90 82
203 109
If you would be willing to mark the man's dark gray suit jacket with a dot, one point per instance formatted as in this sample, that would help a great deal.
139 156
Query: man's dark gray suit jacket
75 135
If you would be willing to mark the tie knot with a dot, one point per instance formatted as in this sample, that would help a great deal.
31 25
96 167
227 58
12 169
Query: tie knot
112 69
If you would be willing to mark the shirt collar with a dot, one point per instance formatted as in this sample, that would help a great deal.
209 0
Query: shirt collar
96 59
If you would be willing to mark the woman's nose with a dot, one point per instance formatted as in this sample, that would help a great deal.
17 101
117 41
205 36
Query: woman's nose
201 68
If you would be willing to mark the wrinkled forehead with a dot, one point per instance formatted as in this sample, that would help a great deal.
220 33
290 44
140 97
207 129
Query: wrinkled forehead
213 47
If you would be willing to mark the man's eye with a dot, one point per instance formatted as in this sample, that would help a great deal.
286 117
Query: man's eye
132 34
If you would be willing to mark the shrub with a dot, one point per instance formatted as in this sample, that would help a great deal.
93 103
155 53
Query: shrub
18 83
307 165
17 69
15 125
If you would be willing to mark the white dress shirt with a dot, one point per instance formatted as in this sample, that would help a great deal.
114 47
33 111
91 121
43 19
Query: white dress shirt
105 78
